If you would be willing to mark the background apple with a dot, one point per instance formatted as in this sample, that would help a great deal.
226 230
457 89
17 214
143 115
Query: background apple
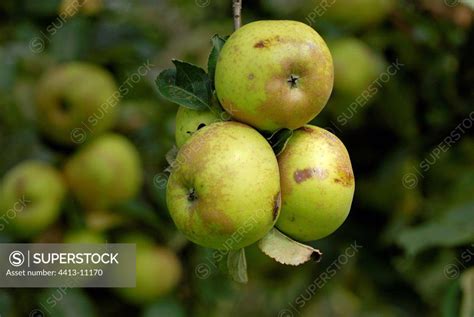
224 189
270 69
158 271
103 220
75 101
189 121
356 66
317 184
106 171
30 198
358 13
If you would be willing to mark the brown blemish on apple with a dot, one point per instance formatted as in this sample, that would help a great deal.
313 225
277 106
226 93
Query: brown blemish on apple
276 205
343 167
302 175
307 173
268 42
251 76
307 129
217 220
346 176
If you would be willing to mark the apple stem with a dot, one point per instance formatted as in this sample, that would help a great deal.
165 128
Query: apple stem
237 8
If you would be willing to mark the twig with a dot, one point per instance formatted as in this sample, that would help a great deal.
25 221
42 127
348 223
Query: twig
237 8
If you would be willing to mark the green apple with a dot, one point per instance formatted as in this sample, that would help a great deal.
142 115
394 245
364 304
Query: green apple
224 188
317 184
356 66
274 74
104 172
75 101
158 272
357 13
189 121
103 220
30 198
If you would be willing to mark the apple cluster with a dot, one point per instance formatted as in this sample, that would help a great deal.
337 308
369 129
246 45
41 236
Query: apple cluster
257 163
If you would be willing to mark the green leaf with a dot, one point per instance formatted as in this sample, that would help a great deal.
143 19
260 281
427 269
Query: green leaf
194 79
279 139
188 86
285 250
454 229
237 265
217 45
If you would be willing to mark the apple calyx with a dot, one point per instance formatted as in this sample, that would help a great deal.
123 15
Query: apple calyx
65 105
192 196
293 81
287 251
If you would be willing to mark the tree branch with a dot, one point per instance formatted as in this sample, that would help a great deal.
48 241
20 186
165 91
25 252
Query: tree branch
237 8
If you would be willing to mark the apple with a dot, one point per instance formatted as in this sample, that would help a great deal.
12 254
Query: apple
317 184
358 13
274 74
31 195
189 121
224 187
356 66
158 272
103 220
104 172
76 101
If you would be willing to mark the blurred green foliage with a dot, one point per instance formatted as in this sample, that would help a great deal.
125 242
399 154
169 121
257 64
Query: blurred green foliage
413 212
